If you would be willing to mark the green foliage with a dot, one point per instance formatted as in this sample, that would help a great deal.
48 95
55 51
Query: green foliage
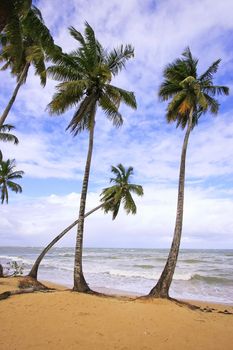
14 268
189 92
5 136
121 191
85 76
33 44
13 12
7 174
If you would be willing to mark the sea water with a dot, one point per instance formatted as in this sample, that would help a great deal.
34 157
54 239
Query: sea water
200 274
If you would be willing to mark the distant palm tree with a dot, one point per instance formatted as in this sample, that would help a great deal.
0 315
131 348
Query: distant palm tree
111 200
86 74
7 174
36 45
121 192
190 96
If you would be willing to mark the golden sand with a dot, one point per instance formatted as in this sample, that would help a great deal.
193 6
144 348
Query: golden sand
67 320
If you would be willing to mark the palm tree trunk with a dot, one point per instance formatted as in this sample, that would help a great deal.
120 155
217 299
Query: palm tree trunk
161 289
80 284
12 100
34 270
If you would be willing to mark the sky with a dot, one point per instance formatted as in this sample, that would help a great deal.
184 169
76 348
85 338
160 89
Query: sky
53 160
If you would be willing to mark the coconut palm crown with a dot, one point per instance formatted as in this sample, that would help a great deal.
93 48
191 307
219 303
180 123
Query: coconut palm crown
121 191
7 175
189 92
190 96
37 45
85 76
20 18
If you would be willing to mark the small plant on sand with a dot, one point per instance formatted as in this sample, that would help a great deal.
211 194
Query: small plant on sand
14 268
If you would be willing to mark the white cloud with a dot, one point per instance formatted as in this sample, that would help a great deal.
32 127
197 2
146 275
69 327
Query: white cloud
159 32
207 219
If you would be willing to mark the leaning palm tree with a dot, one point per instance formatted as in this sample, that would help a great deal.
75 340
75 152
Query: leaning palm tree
190 96
111 201
85 76
7 175
36 46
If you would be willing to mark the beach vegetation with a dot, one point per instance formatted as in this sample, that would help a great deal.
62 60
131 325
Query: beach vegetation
189 97
111 199
34 47
85 76
7 175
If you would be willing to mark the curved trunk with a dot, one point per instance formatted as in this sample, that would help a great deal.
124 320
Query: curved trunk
80 284
161 289
34 270
12 100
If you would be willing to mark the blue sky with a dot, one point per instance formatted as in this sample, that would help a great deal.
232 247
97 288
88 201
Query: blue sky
53 160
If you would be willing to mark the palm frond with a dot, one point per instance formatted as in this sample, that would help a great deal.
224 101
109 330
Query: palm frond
117 58
216 90
137 189
111 110
5 137
127 97
77 35
129 204
208 74
14 187
69 94
63 72
212 104
34 26
191 62
82 118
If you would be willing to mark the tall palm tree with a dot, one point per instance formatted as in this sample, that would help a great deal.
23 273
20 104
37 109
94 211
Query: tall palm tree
190 96
86 74
111 200
36 45
7 174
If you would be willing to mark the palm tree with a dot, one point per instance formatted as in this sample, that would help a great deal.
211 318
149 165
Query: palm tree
120 192
7 174
190 96
111 200
86 74
36 45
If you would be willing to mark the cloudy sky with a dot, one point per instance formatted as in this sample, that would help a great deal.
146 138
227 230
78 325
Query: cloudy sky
53 160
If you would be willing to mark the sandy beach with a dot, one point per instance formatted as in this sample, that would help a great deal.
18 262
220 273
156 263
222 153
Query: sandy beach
62 319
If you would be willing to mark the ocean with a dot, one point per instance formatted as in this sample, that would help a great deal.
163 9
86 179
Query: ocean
200 274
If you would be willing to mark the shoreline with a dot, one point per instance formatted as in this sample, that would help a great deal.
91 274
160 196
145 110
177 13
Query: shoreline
130 294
